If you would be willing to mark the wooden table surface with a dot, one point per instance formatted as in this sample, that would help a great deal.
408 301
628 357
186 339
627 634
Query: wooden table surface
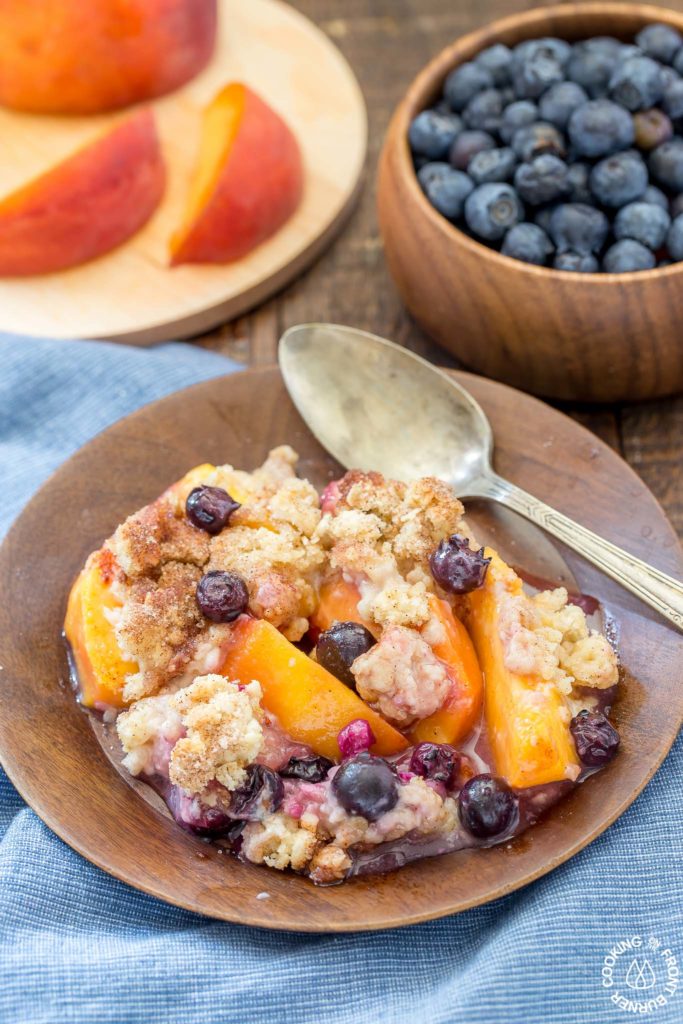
387 42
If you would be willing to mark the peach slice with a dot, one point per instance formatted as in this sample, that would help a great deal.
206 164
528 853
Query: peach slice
338 602
460 713
100 666
86 205
526 717
248 180
88 56
309 703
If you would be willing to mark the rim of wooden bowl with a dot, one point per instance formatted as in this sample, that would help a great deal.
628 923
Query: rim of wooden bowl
517 27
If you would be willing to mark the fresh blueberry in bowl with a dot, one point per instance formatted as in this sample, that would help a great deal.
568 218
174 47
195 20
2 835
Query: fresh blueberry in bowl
577 227
637 83
579 263
674 238
619 179
491 209
652 128
544 179
492 165
446 188
559 102
496 60
517 115
467 145
628 255
534 139
431 133
644 222
528 243
661 42
484 111
464 82
666 164
600 127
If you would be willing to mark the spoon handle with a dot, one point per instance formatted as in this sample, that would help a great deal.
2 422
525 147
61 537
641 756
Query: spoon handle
661 592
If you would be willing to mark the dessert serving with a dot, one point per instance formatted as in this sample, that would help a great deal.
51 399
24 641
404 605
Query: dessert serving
335 684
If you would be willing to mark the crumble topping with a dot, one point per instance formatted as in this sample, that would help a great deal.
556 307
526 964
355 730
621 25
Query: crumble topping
223 733
280 842
148 732
155 535
401 677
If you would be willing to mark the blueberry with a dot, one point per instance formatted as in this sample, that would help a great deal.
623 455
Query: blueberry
548 46
560 101
484 110
308 769
627 255
652 127
591 66
437 761
599 128
467 145
192 814
529 243
678 62
577 227
637 83
666 164
655 196
445 188
537 138
674 238
619 179
456 567
488 807
669 76
643 222
517 115
340 645
492 165
676 206
659 41
431 133
580 264
673 100
542 217
491 209
577 180
543 180
261 793
497 60
222 596
210 508
464 82
595 738
532 76
366 786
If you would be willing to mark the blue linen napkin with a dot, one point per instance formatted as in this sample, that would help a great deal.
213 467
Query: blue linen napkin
79 946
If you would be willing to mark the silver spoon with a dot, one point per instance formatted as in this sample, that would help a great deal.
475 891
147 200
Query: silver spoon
375 405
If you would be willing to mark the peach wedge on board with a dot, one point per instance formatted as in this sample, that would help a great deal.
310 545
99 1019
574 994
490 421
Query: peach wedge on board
86 205
247 182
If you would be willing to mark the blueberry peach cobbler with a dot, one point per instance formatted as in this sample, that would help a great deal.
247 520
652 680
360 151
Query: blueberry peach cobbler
335 684
561 154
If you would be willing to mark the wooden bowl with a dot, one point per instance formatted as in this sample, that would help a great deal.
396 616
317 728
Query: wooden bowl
591 337
72 778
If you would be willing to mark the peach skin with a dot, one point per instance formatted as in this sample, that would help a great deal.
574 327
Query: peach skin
248 180
88 56
86 205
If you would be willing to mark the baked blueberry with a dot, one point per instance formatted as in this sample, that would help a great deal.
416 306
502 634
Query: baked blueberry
560 101
340 645
543 180
467 145
464 82
579 264
497 60
666 164
261 792
595 738
674 238
485 110
637 83
492 165
210 508
309 769
591 65
436 761
672 100
487 806
456 567
577 180
599 128
652 127
222 596
528 243
537 138
445 188
491 209
626 255
366 786
661 42
577 227
644 222
619 179
535 74
655 196
517 115
432 133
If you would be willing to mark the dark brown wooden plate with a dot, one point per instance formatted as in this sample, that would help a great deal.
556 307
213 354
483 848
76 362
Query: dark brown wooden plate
53 756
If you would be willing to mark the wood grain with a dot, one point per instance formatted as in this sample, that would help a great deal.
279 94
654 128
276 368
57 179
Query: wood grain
131 294
79 794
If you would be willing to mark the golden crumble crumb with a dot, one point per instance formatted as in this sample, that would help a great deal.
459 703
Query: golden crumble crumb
279 842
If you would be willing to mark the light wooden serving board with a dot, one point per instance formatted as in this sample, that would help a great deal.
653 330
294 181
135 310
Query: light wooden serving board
131 294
